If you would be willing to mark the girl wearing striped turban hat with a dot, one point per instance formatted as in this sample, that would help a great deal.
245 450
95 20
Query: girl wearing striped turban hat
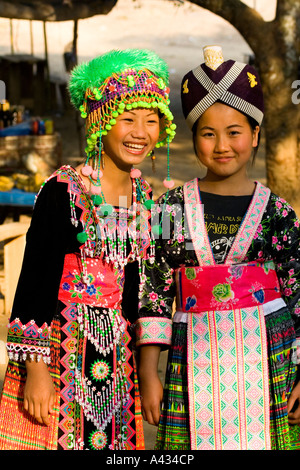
232 258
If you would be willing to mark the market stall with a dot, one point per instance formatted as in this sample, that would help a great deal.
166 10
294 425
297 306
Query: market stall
30 150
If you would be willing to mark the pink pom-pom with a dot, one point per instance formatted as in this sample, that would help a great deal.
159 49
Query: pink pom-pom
135 173
96 190
86 170
95 174
168 183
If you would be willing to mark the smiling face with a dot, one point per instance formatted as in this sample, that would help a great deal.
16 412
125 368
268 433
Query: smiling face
224 142
132 137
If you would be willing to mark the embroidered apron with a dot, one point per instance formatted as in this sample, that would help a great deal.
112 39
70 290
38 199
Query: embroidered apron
228 382
113 406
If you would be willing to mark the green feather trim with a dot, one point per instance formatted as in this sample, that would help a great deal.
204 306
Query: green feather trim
92 74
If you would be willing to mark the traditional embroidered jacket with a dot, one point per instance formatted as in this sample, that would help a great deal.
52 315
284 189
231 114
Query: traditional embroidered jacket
233 347
73 308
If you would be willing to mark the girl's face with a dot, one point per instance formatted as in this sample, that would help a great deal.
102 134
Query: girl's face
132 137
224 141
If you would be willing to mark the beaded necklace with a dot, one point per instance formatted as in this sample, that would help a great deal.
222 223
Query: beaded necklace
115 234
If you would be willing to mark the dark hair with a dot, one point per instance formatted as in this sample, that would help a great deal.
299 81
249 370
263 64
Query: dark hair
253 125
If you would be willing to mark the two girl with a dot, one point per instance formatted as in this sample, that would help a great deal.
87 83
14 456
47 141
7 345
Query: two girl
231 259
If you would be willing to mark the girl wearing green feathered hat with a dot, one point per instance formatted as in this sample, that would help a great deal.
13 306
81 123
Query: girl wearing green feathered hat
71 378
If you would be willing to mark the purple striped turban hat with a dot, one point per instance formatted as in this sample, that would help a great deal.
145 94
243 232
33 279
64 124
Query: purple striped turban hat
230 82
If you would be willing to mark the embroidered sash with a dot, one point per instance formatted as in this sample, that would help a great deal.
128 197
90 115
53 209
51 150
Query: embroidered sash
224 287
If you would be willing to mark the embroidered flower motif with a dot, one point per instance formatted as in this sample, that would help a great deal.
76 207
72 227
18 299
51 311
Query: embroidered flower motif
153 296
79 287
190 302
90 286
258 293
288 291
66 286
223 292
98 440
236 271
91 290
149 81
180 238
190 273
100 370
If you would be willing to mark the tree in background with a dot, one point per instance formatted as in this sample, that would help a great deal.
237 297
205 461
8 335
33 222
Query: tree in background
54 10
276 47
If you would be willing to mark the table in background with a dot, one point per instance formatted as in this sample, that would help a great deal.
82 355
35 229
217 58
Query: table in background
15 202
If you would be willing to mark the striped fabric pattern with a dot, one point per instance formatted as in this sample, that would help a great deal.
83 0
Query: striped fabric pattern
219 91
18 430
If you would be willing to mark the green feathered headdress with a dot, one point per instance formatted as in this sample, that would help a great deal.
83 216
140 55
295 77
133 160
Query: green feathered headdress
92 74
118 80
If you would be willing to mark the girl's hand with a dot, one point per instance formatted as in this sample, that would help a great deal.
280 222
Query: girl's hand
39 392
151 391
294 417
